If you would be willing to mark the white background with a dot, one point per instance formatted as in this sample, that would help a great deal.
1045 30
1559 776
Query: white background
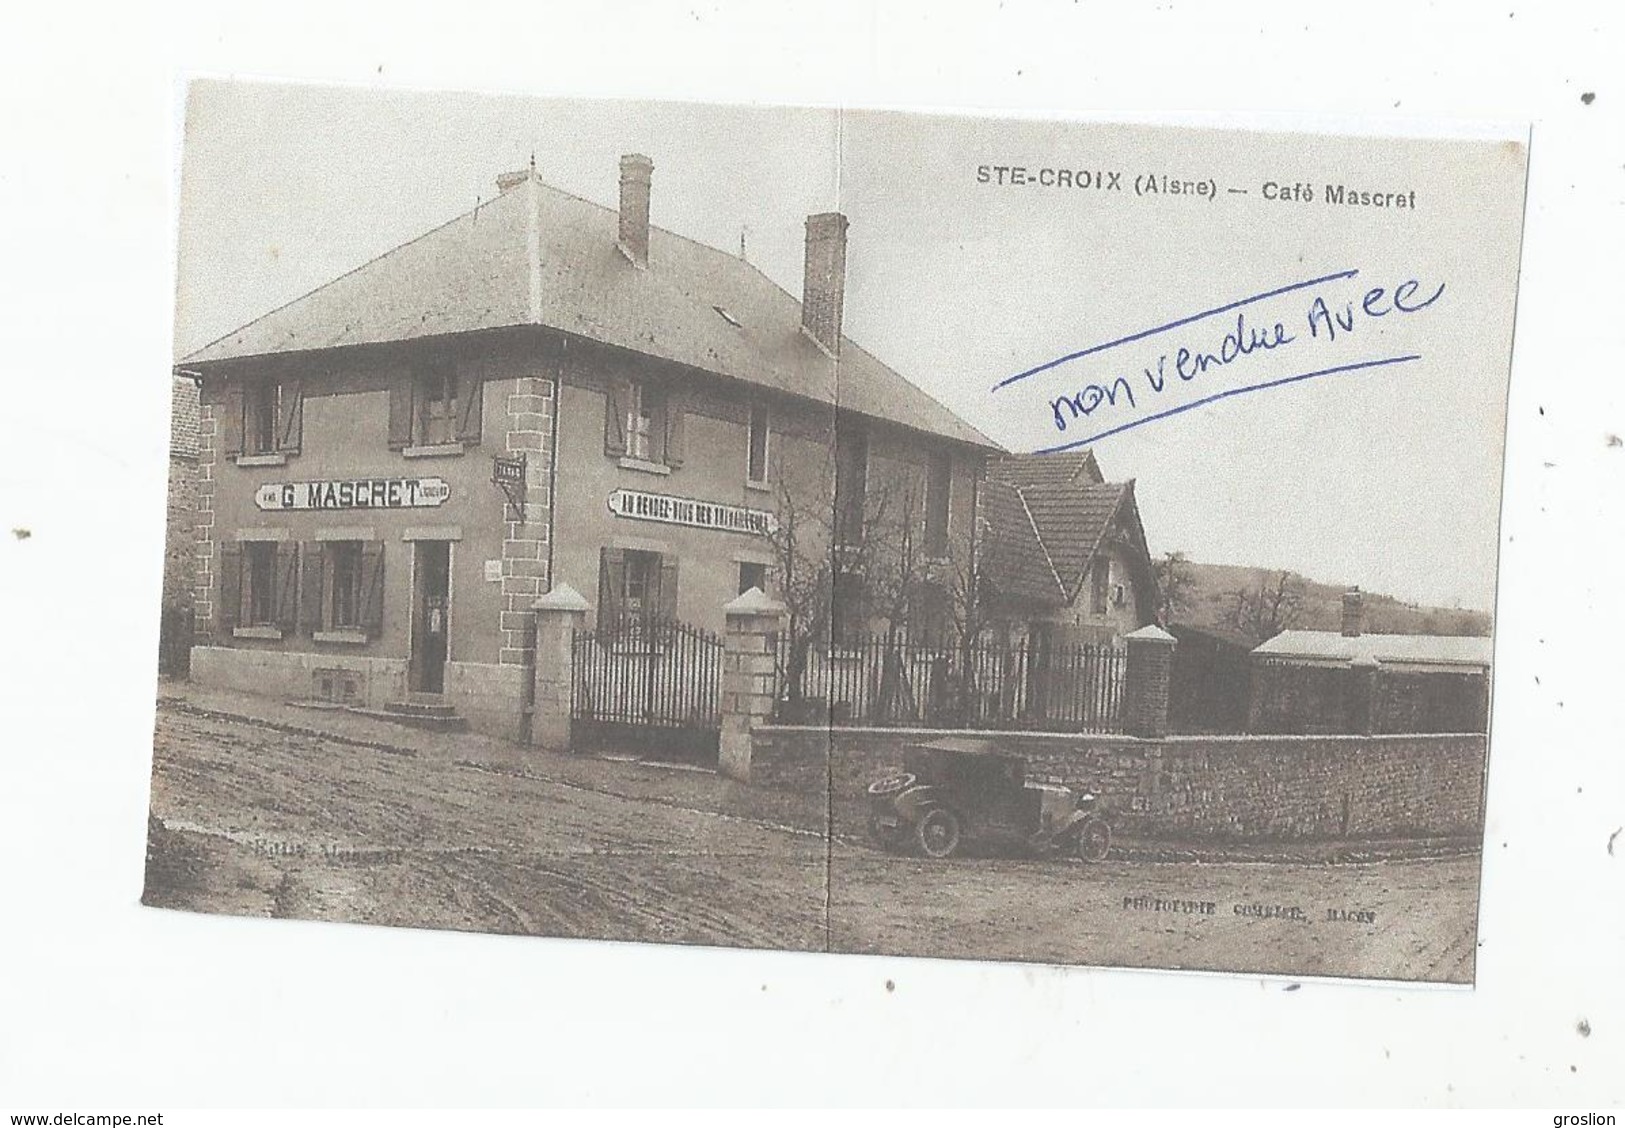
103 1003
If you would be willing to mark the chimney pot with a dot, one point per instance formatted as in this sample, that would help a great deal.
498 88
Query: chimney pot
1353 613
636 172
823 284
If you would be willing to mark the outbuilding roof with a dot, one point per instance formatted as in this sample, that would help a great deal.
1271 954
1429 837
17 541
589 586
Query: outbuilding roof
1419 649
536 255
1017 563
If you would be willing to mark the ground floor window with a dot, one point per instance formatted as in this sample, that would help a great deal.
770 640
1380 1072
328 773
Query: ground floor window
341 586
259 584
752 575
635 588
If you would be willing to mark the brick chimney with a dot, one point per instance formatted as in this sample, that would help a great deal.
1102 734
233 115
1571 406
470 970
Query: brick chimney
823 282
636 171
1353 613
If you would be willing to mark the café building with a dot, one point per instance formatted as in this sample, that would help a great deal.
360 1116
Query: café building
394 467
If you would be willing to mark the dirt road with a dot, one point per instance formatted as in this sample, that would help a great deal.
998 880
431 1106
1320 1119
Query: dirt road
457 832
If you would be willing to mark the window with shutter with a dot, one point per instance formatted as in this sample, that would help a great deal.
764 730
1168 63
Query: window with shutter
259 584
611 588
291 419
756 446
312 582
230 412
287 587
231 585
346 584
666 603
616 401
473 407
262 418
372 587
400 412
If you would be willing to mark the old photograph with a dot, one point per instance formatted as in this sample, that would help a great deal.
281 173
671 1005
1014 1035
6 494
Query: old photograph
834 530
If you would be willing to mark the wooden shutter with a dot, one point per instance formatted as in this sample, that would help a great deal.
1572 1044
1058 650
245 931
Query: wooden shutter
616 401
287 587
471 408
312 586
611 583
291 423
400 411
231 584
674 430
231 421
666 599
372 587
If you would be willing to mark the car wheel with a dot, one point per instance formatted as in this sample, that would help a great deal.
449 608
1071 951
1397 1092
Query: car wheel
1094 840
937 834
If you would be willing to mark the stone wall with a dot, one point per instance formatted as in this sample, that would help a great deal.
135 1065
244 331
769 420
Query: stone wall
1211 788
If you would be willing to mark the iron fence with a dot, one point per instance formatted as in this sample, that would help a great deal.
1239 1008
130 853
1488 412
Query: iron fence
897 682
653 672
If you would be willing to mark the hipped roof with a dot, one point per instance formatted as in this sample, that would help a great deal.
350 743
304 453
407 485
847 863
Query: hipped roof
538 256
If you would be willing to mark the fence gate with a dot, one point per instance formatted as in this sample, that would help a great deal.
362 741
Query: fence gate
647 687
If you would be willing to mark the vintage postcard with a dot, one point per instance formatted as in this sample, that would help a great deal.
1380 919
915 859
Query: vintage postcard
835 530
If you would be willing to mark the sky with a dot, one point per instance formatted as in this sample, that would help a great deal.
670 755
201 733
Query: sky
1383 475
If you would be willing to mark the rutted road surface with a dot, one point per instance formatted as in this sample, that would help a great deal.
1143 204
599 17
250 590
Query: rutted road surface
438 831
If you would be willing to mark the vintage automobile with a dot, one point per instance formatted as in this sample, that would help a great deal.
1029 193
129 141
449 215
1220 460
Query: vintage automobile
953 792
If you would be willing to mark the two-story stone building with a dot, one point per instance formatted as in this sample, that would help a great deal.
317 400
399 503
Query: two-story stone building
669 402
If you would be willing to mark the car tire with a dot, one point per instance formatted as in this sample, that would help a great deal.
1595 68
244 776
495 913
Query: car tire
937 834
1094 839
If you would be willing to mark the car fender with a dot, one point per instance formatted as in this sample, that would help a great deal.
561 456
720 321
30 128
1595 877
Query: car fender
1076 821
916 801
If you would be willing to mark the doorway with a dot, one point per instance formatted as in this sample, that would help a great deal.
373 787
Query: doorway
431 615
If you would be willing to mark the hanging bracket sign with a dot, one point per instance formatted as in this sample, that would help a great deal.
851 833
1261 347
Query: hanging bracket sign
354 493
508 475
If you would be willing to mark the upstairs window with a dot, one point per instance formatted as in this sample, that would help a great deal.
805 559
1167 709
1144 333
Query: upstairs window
756 458
434 406
436 401
261 417
263 406
851 482
938 504
643 424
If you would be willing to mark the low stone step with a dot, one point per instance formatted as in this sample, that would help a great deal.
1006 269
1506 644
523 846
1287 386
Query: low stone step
421 707
435 718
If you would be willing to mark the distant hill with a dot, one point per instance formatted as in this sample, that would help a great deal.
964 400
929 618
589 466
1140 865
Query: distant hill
1214 591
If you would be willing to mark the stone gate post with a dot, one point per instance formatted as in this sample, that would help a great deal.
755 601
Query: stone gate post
748 680
1145 689
559 614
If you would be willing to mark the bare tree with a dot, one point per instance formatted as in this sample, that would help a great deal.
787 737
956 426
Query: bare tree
1265 612
1176 584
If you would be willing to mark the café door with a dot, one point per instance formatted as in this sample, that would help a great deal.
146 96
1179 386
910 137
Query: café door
431 615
